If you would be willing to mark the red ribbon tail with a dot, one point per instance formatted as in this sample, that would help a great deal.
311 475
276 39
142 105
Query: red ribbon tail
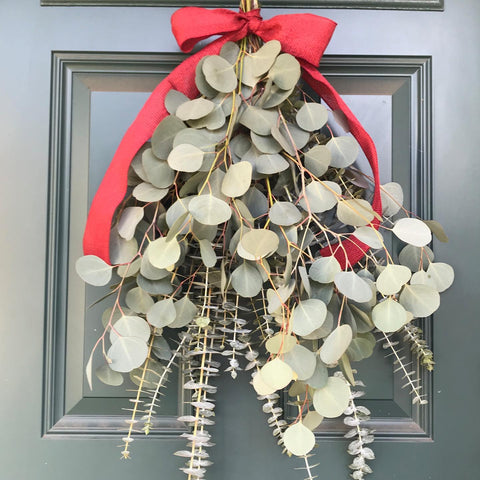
351 250
112 190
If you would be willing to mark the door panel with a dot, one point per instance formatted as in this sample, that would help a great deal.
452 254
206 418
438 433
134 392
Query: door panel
395 69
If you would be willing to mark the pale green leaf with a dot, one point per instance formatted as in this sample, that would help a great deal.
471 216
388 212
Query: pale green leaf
392 198
163 254
162 313
185 158
392 279
353 286
93 270
371 237
260 386
264 57
258 120
320 375
389 316
127 353
207 253
156 287
317 160
259 242
280 343
301 360
209 210
333 399
284 214
412 231
308 316
128 222
138 300
162 138
285 72
269 164
320 196
344 151
276 373
416 258
121 250
437 230
362 347
157 171
420 300
109 377
185 312
324 269
128 326
312 420
265 143
298 439
246 280
356 212
312 116
173 100
230 52
440 276
219 73
336 344
146 192
237 180
194 109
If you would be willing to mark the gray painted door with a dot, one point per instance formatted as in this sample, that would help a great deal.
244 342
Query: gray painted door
67 92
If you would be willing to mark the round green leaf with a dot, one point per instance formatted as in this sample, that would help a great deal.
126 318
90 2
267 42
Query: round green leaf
389 316
356 212
127 353
260 386
246 280
416 258
320 196
260 242
320 375
308 316
392 198
93 270
344 151
392 279
264 57
284 214
437 230
317 160
146 192
259 120
440 276
371 237
155 287
128 326
276 373
128 222
412 231
121 250
265 143
285 72
162 139
219 73
207 253
237 180
158 172
353 286
324 269
138 300
173 100
162 313
230 52
209 210
109 377
336 344
194 109
420 300
362 347
185 312
333 399
298 439
312 420
163 253
312 116
301 360
280 343
269 164
185 158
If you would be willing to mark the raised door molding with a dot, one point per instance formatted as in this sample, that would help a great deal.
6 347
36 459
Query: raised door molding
394 95
360 4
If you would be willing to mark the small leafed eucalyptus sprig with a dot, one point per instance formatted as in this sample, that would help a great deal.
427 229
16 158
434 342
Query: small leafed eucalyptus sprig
216 260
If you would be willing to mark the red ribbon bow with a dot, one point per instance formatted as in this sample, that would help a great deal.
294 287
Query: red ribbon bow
303 35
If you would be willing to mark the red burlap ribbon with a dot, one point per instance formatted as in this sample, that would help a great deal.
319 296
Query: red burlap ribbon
303 35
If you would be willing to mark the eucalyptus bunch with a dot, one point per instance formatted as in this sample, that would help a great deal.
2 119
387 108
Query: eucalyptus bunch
218 245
